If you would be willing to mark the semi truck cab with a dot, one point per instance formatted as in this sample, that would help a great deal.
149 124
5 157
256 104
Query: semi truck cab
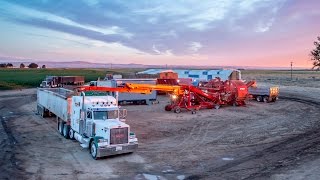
97 124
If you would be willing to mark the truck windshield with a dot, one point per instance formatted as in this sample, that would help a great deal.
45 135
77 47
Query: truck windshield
103 115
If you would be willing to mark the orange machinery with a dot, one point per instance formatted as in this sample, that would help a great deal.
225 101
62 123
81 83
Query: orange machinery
185 96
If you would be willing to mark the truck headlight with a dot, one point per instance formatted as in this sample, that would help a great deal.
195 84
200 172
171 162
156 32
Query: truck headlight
102 142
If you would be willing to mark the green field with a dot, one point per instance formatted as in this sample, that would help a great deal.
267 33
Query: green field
27 78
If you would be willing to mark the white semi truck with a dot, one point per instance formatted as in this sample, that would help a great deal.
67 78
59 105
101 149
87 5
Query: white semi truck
95 121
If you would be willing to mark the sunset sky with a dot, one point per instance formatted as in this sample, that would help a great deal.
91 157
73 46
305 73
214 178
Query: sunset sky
213 32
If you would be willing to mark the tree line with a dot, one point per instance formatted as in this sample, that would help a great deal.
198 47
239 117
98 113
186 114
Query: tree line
31 65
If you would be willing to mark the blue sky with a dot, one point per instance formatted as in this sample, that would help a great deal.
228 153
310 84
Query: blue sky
220 32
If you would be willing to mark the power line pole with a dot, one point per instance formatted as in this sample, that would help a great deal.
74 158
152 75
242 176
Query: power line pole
291 69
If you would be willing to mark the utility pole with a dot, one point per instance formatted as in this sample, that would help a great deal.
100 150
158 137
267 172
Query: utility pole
291 69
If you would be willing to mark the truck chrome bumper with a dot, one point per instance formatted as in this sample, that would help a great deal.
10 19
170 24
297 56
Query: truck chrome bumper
114 150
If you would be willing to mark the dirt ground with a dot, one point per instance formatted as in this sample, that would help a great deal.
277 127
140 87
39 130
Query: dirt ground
278 140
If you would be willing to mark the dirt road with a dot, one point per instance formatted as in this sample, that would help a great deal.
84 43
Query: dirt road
260 141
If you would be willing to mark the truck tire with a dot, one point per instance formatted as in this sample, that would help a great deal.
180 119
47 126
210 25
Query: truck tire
265 99
259 98
71 134
93 150
60 127
65 132
41 111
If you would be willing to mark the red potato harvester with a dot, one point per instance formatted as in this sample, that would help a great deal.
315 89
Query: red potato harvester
213 94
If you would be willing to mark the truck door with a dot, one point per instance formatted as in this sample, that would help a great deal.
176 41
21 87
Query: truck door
89 124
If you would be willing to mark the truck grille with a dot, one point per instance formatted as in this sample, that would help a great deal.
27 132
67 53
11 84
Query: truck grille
119 136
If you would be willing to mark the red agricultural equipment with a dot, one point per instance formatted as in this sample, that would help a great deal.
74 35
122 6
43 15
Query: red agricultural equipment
232 92
213 95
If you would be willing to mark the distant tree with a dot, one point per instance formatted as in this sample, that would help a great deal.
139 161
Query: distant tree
3 65
315 55
43 66
9 65
33 65
22 65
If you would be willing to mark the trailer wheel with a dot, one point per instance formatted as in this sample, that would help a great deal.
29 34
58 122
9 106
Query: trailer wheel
177 109
41 112
93 150
265 99
259 98
71 134
66 131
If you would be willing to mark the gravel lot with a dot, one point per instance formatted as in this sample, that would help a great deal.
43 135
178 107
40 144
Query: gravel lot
278 140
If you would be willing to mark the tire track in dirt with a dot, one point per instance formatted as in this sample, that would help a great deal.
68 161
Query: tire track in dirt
11 170
279 155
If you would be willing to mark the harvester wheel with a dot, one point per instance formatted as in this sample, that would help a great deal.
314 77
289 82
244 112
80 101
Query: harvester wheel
217 106
193 111
265 99
259 98
177 110
168 107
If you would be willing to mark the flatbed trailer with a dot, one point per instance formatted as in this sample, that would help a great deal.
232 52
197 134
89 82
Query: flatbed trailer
264 94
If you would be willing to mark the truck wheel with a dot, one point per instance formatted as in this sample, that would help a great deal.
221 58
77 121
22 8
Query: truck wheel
259 98
93 150
41 112
60 127
71 134
265 99
66 131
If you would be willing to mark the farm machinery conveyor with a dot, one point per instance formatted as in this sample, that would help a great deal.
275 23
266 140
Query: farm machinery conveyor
212 95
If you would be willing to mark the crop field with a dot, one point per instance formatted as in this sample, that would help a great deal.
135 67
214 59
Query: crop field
26 78
303 78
